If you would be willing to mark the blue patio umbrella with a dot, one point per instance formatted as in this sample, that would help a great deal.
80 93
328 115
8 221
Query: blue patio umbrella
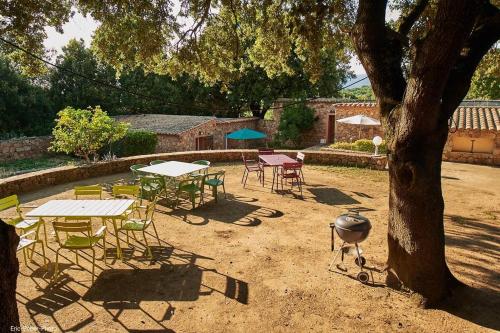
245 134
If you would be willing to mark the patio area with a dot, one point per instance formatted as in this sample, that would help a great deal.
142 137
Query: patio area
258 261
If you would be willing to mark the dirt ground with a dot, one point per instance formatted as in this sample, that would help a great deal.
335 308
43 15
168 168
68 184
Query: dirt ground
258 262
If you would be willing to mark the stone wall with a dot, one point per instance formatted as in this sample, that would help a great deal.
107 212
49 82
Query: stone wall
50 177
452 154
226 127
19 148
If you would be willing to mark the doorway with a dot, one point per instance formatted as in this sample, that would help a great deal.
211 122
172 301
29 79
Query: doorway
330 134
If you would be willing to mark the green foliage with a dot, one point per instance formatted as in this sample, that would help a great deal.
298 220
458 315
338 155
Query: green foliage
12 168
294 121
486 80
364 145
363 93
24 107
84 132
77 92
137 142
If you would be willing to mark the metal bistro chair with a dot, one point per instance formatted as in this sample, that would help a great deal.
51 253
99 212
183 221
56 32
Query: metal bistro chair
85 191
291 171
78 236
129 191
191 186
300 158
140 225
18 221
265 151
135 171
201 172
253 166
151 187
214 180
25 241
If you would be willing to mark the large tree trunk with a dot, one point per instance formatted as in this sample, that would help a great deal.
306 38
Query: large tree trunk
9 268
416 232
415 109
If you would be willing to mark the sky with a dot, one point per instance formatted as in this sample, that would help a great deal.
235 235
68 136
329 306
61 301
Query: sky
81 27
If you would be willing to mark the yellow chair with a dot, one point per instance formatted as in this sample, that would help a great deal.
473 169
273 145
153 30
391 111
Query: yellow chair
18 221
91 190
25 241
78 236
140 225
129 191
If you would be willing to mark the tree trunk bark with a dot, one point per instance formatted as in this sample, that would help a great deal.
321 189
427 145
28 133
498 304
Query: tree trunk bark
416 230
9 269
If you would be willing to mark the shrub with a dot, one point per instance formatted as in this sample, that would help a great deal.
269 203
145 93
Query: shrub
138 142
84 132
295 120
360 145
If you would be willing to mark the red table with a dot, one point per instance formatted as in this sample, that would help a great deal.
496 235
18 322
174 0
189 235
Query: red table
275 161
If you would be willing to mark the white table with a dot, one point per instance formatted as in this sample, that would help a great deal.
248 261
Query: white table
173 169
105 209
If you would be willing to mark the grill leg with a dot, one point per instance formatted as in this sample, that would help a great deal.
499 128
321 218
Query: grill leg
336 255
359 256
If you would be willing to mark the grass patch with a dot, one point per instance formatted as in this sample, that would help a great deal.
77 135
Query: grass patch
12 168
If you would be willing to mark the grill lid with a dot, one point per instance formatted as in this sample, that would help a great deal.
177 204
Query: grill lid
353 222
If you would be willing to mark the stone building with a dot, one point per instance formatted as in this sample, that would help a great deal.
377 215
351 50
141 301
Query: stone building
474 132
185 133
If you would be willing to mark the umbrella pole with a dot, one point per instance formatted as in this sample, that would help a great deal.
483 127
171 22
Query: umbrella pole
359 133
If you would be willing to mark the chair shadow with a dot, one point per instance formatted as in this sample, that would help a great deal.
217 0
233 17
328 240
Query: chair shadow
239 213
331 196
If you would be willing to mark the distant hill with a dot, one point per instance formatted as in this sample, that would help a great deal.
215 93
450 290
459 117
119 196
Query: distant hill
365 82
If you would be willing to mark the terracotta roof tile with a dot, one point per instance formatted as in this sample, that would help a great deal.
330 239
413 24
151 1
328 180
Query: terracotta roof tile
485 118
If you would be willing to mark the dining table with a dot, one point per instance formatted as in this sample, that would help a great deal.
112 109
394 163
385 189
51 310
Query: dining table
275 161
107 210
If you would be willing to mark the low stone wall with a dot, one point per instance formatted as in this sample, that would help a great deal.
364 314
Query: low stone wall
15 149
41 179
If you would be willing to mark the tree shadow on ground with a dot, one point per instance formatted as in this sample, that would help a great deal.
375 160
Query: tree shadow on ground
331 196
481 242
132 293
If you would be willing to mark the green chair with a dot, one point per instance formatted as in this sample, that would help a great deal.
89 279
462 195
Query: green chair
78 236
18 221
140 225
151 187
214 180
135 171
191 186
201 172
86 191
156 162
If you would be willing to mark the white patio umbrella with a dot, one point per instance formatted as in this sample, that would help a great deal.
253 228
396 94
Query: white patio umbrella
360 120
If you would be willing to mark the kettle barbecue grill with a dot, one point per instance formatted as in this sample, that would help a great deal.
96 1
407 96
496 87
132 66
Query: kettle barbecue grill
352 228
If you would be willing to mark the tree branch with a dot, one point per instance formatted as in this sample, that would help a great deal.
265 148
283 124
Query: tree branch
485 34
409 20
380 50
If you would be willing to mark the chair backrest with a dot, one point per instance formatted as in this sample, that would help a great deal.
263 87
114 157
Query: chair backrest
292 166
72 225
9 202
202 162
94 190
266 151
156 162
300 157
135 169
126 190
